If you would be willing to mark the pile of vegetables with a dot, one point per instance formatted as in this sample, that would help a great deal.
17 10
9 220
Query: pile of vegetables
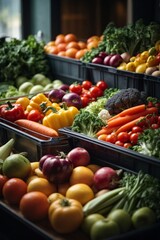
132 38
21 58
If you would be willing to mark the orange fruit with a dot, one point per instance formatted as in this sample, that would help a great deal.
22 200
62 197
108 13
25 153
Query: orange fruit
93 167
92 44
39 173
34 206
93 38
71 52
81 174
61 47
59 39
82 44
63 187
62 53
55 196
13 190
51 43
73 44
41 185
3 180
70 37
80 53
102 137
53 50
81 192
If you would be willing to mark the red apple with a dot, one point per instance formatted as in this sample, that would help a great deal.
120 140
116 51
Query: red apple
106 178
79 156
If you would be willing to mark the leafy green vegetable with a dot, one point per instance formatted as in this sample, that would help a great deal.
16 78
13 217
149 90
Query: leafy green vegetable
22 58
141 190
149 143
87 123
132 38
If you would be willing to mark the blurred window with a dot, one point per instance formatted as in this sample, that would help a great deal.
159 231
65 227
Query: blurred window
10 18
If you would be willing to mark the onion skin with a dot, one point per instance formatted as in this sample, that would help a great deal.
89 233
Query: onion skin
57 169
72 99
56 95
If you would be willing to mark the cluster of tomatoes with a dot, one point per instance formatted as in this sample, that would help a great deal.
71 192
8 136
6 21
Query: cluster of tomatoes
129 139
87 91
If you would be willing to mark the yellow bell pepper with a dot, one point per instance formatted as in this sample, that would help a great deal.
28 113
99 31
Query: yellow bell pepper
152 61
36 101
62 118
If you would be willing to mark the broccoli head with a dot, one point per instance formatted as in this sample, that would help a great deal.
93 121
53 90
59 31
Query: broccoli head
124 99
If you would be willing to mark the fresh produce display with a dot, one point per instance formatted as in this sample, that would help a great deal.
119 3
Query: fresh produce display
72 200
132 39
22 58
68 45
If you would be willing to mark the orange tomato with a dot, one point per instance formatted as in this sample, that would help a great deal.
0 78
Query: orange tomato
80 53
102 137
59 39
71 52
93 38
62 53
13 190
82 44
73 44
61 47
92 44
52 50
34 206
63 187
70 37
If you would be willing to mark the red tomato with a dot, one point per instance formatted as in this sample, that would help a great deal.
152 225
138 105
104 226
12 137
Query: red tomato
134 137
127 145
85 101
86 84
102 85
119 143
95 92
136 129
75 88
123 137
112 138
35 115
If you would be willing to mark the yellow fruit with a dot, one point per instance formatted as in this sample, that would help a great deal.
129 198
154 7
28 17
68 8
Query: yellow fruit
41 185
93 167
55 196
81 192
131 67
141 68
81 174
39 173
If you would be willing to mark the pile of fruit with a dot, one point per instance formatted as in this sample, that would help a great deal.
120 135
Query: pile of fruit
72 193
69 46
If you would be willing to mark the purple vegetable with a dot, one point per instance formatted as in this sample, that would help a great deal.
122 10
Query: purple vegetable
97 60
57 169
115 60
72 99
55 95
64 87
102 55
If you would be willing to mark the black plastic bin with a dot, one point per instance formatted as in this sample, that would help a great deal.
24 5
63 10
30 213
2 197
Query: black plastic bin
152 85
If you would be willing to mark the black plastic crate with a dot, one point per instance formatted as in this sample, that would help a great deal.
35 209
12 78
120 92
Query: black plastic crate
36 145
113 77
67 69
152 85
113 155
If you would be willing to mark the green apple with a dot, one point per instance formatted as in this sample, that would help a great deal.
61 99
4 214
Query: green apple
35 89
122 218
57 83
89 220
103 229
25 87
143 217
20 80
49 86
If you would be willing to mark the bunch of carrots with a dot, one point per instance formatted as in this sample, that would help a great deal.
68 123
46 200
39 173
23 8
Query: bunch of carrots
126 120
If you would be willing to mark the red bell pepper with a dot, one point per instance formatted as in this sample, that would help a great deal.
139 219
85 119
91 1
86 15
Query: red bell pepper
11 112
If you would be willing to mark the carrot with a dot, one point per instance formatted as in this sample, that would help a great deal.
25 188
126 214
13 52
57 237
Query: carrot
133 110
128 126
37 127
127 118
106 130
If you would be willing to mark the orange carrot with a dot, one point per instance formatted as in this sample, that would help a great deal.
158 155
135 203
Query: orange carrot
106 130
128 126
127 118
133 110
37 127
